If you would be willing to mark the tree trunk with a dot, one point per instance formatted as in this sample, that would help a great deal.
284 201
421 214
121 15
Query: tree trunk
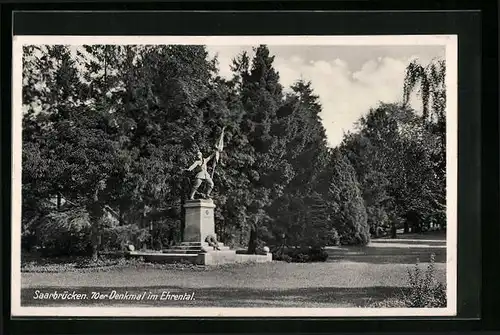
393 230
95 240
96 212
121 214
95 253
406 227
252 242
418 227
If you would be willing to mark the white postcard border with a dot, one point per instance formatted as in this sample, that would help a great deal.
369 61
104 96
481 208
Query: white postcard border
450 41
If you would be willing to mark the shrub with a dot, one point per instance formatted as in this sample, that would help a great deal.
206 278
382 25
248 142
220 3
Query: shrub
333 237
64 233
318 255
380 232
117 238
301 255
28 240
423 290
67 233
377 220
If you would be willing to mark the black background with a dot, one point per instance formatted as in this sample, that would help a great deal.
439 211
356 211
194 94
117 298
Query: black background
478 205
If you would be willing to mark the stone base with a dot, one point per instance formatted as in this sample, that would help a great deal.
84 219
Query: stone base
200 254
210 258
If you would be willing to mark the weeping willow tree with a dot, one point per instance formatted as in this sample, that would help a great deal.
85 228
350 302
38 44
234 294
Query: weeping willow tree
428 81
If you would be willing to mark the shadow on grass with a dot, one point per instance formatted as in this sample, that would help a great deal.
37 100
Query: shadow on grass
221 297
39 259
409 242
430 235
386 255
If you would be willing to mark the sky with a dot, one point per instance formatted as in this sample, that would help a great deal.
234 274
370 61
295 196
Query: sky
349 80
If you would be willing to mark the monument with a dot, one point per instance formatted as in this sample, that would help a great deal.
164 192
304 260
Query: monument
200 245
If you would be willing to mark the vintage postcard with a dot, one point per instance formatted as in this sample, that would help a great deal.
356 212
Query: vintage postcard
234 176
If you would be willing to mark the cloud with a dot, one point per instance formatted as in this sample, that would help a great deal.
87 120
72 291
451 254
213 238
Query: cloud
345 95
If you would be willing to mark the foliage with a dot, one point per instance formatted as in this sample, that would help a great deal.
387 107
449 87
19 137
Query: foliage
424 291
302 213
117 238
348 212
392 156
64 233
301 255
108 129
429 81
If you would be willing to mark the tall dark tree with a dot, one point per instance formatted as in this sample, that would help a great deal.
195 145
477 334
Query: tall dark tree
175 110
300 126
261 97
347 208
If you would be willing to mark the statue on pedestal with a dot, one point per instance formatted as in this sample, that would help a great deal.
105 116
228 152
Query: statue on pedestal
203 174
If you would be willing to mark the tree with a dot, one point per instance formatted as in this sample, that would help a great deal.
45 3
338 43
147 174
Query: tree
51 91
299 125
176 107
261 97
373 178
74 135
394 165
347 209
429 81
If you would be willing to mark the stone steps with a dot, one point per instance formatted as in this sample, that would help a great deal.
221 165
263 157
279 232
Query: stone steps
198 244
183 249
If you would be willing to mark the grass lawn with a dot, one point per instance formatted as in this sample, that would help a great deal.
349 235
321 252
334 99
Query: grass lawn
353 277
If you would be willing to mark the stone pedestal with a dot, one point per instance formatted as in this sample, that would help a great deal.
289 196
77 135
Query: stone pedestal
199 221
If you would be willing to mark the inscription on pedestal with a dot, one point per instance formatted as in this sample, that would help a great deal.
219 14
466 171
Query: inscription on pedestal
208 213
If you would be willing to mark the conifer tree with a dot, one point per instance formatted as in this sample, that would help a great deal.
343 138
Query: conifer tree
261 97
348 212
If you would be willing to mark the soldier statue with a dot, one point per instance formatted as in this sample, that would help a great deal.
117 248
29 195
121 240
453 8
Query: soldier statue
202 175
201 165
